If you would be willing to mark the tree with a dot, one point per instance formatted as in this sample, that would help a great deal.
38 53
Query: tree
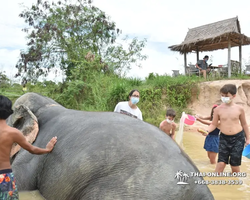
61 33
4 80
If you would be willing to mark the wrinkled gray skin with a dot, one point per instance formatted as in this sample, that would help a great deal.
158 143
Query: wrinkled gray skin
101 155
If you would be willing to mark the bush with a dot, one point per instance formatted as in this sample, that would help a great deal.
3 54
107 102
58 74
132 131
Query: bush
101 92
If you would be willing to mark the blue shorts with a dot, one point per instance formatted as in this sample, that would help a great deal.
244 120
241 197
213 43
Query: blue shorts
212 143
8 189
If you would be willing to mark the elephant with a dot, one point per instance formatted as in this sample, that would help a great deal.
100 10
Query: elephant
98 156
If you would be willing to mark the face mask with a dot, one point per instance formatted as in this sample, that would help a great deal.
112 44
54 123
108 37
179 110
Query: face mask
134 100
169 121
206 61
226 99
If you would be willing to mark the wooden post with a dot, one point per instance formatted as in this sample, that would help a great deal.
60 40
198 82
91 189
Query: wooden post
240 55
197 53
185 63
229 58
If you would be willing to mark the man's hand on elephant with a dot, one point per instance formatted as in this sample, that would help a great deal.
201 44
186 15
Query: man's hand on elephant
51 144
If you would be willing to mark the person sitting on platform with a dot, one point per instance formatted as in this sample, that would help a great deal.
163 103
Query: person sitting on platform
203 66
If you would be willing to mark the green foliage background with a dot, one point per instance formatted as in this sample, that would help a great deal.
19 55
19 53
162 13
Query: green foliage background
100 92
94 91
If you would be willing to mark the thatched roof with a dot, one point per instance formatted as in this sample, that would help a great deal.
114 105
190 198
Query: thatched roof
212 37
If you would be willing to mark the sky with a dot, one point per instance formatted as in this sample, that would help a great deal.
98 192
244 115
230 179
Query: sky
163 23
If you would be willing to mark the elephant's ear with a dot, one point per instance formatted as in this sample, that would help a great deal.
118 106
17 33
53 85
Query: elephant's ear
25 121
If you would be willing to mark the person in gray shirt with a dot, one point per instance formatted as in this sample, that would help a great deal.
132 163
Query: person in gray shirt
203 66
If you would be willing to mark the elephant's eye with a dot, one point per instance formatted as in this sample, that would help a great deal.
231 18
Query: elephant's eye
19 123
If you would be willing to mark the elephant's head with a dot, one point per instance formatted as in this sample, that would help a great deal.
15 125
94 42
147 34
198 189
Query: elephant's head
26 109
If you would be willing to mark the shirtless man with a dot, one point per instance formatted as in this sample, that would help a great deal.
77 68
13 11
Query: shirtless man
232 137
168 125
9 136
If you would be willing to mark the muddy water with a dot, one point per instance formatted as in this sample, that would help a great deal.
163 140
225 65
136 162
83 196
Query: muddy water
193 146
32 195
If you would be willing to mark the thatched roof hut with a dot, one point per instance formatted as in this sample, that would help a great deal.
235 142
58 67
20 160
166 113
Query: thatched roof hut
219 35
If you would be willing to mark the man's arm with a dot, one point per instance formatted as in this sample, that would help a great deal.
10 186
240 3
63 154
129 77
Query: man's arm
173 131
20 139
161 124
197 65
201 117
214 123
203 121
244 125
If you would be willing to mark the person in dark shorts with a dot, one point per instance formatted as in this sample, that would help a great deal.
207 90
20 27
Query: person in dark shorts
232 138
211 144
231 147
9 136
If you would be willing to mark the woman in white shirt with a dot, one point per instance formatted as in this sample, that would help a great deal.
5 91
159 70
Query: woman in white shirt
129 107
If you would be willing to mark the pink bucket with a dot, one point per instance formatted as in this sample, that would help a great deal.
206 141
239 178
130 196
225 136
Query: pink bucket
189 120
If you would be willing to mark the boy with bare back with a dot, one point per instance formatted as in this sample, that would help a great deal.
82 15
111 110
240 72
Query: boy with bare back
168 125
9 136
232 125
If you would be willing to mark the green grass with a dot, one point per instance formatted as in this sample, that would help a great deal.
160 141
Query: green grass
101 93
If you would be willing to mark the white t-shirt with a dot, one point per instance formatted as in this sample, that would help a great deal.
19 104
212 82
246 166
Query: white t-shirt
124 108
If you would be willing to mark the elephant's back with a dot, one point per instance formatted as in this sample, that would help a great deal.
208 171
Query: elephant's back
113 155
105 130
